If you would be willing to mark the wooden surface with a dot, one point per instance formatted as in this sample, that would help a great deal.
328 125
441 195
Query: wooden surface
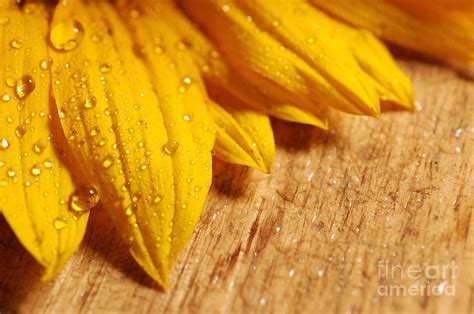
307 238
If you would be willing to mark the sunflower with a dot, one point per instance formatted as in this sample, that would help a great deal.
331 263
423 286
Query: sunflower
126 103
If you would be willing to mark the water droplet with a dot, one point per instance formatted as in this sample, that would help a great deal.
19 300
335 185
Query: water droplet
418 105
45 64
35 171
94 131
83 199
6 97
10 81
48 164
187 80
129 212
188 117
105 68
97 38
458 132
158 49
182 89
171 147
136 197
11 173
4 144
157 199
20 131
39 147
59 224
183 44
16 43
107 162
310 40
66 35
24 86
90 103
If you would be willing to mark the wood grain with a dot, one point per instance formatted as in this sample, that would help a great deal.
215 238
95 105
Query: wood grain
307 238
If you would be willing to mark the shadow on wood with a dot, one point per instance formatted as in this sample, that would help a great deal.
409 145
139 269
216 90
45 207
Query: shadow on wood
20 272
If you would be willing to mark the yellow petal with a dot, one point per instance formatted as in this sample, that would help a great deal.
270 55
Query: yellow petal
223 83
260 59
243 137
284 42
219 77
318 40
355 62
442 29
380 69
184 104
152 168
35 187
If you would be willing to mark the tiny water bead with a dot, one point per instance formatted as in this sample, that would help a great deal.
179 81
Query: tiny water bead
66 35
39 147
45 64
107 162
158 49
157 199
6 97
90 103
186 82
20 131
188 117
48 164
35 171
94 132
4 144
16 43
10 81
458 132
59 224
25 86
11 173
171 147
105 68
83 199
97 37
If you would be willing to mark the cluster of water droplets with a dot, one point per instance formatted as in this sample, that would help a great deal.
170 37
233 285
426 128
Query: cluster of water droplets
129 152
18 90
116 146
